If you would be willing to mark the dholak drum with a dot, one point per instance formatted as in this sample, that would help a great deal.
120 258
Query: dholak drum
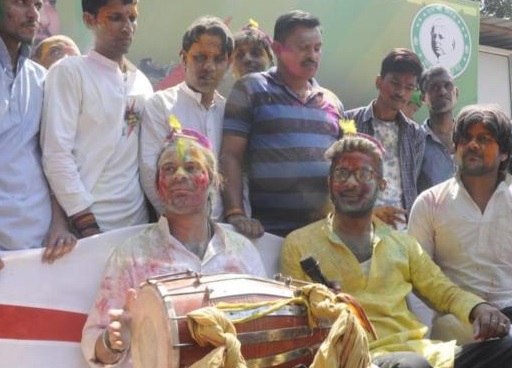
160 335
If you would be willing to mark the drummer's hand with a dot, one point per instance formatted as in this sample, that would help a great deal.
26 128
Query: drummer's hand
390 215
116 337
1 264
249 227
120 323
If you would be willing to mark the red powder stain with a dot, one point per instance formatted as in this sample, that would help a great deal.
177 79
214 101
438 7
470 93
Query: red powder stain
102 306
162 186
233 266
201 181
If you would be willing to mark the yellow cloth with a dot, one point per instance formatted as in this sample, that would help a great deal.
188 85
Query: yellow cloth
346 346
209 325
398 263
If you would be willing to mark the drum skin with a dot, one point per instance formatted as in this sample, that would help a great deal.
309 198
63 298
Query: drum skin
160 336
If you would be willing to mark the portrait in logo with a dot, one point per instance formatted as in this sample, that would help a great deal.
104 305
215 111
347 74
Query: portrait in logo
440 36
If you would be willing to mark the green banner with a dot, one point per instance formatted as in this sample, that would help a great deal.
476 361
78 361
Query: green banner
357 35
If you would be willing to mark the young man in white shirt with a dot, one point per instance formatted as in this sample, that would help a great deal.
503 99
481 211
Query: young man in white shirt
464 222
207 46
91 121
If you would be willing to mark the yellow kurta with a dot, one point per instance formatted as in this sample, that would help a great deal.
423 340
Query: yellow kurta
398 265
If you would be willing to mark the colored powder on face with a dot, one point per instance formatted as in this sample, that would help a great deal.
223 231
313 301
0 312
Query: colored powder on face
181 148
130 11
201 181
162 185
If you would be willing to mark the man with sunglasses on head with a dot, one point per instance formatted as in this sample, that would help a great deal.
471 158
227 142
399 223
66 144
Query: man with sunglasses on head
379 267
402 138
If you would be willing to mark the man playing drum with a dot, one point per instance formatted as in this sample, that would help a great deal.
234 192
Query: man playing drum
184 238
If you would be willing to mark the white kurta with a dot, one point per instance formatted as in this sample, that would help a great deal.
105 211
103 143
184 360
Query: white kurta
185 104
89 137
156 252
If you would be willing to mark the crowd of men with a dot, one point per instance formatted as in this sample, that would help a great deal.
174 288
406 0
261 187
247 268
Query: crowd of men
387 206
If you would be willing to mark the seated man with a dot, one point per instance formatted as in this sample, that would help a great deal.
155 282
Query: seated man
380 266
464 223
184 238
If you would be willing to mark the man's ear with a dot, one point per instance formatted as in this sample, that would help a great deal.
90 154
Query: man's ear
89 20
183 57
503 157
277 48
378 82
382 184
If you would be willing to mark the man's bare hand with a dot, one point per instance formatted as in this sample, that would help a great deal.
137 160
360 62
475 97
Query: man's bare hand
59 241
488 322
390 215
251 228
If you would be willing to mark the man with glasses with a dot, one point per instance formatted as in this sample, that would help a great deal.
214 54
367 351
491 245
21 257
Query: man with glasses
464 222
380 266
402 138
439 94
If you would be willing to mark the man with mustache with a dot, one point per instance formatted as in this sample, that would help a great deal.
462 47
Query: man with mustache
91 121
464 222
279 123
205 54
439 94
29 216
402 138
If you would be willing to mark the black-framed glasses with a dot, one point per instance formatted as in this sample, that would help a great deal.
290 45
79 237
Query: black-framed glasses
362 175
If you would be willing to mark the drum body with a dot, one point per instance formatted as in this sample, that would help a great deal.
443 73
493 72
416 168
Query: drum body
160 335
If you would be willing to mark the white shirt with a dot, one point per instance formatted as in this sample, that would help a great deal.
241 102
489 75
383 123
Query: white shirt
473 248
25 210
156 252
185 104
89 137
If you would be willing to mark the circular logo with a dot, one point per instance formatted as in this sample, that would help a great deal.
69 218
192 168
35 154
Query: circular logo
439 36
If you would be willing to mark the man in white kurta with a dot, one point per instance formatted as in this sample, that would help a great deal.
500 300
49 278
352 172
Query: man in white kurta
206 47
184 103
90 128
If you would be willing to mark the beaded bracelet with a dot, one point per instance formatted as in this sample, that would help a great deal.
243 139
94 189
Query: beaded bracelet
85 222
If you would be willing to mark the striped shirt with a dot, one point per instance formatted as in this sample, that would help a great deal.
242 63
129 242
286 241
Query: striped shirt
286 142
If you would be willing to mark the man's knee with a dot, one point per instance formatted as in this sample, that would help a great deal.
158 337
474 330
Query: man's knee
402 360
